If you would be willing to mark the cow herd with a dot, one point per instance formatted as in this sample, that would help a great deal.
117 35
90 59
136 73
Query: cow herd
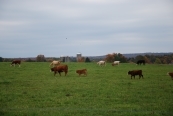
133 73
56 66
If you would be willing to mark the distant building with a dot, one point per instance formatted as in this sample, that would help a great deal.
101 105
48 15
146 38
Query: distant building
78 57
64 58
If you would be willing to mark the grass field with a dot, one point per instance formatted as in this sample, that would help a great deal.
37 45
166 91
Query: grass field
106 91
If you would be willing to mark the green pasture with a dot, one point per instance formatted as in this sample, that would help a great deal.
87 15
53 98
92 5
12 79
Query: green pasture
32 90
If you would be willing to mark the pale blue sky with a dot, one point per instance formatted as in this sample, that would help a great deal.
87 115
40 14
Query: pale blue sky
92 27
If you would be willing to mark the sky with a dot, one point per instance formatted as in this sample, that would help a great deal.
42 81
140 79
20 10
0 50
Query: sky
57 28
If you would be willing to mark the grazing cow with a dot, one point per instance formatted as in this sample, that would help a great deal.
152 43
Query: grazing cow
135 72
115 63
170 74
100 63
14 62
139 62
83 71
55 63
59 69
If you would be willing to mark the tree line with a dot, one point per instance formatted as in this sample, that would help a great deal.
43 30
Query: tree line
150 59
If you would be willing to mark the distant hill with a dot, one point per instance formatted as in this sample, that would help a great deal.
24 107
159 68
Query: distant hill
136 54
129 55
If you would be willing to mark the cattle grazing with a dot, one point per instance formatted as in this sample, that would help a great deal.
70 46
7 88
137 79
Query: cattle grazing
54 63
100 63
115 63
14 62
170 74
139 62
59 69
82 71
135 72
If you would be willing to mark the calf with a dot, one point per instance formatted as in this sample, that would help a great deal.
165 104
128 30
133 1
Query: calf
14 62
59 69
170 74
135 72
83 71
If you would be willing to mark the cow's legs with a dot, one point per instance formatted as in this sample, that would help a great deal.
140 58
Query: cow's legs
59 73
65 73
54 73
141 76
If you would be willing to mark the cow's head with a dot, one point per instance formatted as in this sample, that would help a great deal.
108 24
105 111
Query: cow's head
51 69
129 72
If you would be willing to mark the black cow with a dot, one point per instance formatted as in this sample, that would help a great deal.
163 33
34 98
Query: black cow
135 72
139 62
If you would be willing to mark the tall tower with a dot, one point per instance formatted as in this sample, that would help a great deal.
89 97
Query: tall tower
78 57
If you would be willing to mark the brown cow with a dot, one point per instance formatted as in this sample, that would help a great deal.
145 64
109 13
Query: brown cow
59 69
83 71
14 62
170 74
135 72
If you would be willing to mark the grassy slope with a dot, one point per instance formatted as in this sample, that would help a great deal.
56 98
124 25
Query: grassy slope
33 90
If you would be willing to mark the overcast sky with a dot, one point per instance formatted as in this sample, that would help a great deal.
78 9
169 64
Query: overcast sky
91 27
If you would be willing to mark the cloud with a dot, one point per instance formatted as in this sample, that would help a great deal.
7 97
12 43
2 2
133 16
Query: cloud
92 27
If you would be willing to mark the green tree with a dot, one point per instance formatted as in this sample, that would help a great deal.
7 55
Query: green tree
87 60
121 58
1 59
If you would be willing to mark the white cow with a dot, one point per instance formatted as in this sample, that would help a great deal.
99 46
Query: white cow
55 63
115 63
100 63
